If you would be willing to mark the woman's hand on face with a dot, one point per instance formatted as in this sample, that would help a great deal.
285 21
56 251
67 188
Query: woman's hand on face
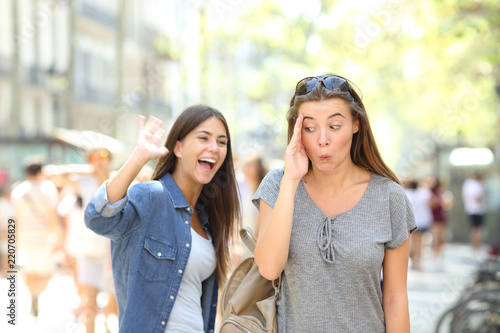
296 160
150 135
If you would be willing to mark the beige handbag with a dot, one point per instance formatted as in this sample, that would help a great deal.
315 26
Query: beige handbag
248 301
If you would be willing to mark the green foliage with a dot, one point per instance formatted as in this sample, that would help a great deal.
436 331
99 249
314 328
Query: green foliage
429 67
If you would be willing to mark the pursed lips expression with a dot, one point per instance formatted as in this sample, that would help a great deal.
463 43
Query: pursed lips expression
327 132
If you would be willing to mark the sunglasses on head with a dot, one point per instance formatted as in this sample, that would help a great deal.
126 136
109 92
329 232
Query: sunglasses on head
330 82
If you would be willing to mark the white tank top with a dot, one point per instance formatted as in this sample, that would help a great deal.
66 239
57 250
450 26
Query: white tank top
186 314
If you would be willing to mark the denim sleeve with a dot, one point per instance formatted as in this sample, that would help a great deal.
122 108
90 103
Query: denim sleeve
119 219
102 204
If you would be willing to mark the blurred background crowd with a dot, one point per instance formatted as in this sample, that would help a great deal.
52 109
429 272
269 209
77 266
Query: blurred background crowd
74 75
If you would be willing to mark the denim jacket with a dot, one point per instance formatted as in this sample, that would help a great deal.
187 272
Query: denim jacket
150 244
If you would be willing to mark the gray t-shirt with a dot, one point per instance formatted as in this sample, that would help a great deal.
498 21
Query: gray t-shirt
331 282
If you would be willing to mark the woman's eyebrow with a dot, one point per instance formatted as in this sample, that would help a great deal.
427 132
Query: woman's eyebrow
330 116
335 114
208 133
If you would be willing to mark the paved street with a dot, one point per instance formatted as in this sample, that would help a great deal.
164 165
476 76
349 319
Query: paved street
57 307
435 289
430 293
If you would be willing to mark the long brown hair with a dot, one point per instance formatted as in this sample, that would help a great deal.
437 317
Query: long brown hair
219 196
364 151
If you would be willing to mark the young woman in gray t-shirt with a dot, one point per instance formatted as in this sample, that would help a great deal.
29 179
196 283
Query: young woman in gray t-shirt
334 219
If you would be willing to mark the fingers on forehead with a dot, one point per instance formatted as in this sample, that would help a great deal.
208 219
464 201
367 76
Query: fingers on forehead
297 130
299 120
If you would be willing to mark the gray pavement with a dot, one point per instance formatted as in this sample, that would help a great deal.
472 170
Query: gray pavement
430 293
437 287
57 305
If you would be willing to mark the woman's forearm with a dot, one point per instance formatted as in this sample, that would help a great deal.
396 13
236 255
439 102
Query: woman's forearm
271 252
119 183
397 317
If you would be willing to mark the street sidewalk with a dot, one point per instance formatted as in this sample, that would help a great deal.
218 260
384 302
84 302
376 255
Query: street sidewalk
57 305
438 286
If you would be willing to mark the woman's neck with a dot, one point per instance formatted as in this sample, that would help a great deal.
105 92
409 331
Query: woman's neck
189 189
333 182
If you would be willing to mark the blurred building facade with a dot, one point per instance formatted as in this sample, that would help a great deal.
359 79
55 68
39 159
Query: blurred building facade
89 65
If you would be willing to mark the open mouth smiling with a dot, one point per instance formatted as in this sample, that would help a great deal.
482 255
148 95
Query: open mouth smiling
207 163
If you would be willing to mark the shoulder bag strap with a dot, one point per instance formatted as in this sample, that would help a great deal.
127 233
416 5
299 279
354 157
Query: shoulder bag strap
247 236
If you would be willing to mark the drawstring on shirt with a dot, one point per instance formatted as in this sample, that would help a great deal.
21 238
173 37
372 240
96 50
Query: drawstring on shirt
325 242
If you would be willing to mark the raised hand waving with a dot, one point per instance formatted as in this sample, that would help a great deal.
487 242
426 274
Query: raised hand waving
150 135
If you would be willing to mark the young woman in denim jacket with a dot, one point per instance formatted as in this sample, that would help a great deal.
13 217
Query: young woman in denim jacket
169 236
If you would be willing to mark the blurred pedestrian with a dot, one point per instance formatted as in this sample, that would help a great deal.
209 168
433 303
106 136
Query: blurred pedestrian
70 212
254 171
170 235
333 218
440 204
248 175
91 252
37 232
420 199
93 256
474 198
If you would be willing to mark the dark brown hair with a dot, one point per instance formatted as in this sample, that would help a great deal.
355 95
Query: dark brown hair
364 151
219 197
